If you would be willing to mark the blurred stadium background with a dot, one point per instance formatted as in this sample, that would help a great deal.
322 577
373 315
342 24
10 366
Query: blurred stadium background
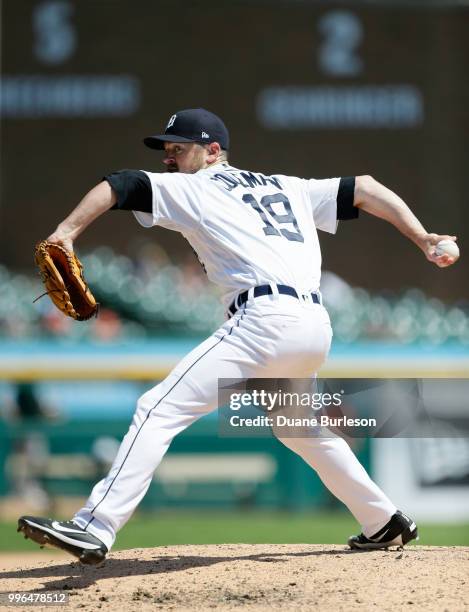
308 88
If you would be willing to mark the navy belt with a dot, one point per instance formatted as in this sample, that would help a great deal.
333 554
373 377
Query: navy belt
267 290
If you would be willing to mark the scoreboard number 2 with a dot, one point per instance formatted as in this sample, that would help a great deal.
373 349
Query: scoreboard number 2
342 33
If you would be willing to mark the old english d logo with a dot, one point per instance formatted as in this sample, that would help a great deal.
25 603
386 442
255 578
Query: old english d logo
171 121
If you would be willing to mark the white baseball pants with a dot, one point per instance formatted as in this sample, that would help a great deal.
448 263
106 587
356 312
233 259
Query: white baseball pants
270 336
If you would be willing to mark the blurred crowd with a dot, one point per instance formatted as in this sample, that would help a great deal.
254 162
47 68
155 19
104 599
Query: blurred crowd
148 294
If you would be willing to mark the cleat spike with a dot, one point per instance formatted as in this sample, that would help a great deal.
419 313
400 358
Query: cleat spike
89 549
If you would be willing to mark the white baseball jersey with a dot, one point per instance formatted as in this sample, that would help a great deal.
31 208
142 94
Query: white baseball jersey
248 229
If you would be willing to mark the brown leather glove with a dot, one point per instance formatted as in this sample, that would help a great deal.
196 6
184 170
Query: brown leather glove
62 274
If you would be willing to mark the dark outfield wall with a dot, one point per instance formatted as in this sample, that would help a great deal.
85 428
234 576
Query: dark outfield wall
311 89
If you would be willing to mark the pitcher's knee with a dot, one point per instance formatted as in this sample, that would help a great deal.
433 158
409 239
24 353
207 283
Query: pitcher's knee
305 445
294 444
145 404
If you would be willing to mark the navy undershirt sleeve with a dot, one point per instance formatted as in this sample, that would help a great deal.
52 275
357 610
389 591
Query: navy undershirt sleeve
345 198
133 190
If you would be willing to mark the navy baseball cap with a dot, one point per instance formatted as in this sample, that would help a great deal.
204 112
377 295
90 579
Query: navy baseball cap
192 125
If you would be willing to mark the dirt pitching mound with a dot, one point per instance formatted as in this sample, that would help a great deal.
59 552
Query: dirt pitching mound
254 577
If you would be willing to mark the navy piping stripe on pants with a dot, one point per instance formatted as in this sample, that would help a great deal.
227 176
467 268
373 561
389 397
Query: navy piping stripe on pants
148 416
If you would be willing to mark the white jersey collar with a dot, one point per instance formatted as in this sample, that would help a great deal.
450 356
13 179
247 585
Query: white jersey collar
220 166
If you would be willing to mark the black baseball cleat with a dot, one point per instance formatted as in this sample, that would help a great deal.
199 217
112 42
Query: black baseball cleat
400 530
66 535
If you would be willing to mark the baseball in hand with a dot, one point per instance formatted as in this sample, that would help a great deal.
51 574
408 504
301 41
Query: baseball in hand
447 247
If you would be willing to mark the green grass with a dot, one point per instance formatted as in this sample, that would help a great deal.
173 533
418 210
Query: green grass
255 527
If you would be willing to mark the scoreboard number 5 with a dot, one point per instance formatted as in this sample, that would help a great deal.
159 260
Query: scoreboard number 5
54 34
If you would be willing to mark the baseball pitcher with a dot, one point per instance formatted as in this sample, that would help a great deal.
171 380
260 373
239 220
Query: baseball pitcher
257 238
